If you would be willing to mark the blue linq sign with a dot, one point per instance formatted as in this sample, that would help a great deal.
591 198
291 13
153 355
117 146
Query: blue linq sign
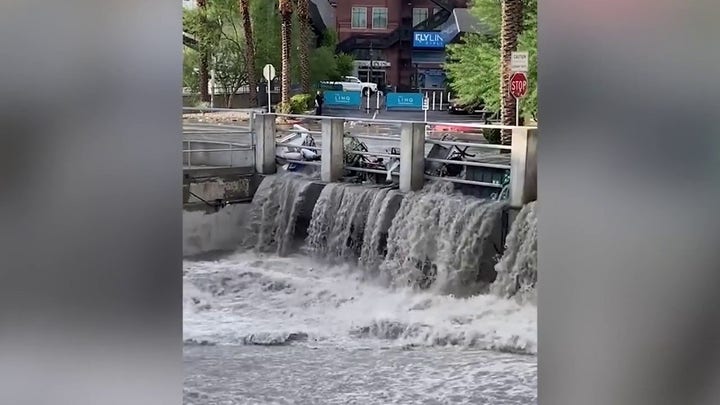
423 39
347 99
404 101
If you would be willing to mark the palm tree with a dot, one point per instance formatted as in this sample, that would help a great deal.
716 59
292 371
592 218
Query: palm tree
512 25
249 50
204 63
303 14
286 39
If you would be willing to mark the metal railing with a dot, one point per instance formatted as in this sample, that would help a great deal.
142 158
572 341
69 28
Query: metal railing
235 155
219 144
422 153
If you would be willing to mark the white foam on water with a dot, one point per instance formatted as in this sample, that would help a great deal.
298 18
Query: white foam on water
251 298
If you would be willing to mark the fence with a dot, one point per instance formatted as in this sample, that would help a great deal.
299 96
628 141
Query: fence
210 145
409 150
204 154
413 138
438 100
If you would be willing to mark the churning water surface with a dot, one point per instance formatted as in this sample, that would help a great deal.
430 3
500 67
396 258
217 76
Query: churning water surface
328 322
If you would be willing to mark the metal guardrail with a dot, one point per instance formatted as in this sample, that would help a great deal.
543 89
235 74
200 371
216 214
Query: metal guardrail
229 147
213 109
482 144
331 152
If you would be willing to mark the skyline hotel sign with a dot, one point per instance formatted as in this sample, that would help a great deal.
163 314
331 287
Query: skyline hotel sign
428 39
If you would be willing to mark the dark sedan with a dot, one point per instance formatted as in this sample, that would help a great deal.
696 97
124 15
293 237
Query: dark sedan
457 107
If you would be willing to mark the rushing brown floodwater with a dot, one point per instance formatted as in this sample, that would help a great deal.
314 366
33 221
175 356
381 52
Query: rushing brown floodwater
322 328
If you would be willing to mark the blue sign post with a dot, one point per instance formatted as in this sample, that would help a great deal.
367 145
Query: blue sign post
343 99
428 39
404 101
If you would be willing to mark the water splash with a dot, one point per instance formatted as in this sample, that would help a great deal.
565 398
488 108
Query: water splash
269 300
517 270
274 211
443 240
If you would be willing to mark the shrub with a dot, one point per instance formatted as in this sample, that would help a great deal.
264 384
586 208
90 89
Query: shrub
283 108
300 103
492 135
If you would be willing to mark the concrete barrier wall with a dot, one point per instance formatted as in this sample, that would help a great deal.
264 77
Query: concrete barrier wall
216 186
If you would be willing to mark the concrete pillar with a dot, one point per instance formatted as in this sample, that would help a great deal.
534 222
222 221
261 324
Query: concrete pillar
333 130
412 156
523 166
264 136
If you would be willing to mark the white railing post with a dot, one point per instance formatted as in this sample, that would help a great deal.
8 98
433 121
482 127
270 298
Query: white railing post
264 136
523 167
442 95
412 156
331 168
433 107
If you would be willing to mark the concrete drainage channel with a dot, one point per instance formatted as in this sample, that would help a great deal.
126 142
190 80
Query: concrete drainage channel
210 190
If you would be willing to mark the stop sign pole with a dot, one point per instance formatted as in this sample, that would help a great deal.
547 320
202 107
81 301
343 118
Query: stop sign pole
269 75
518 89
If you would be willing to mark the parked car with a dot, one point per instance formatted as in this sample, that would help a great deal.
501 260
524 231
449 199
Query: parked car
352 83
455 106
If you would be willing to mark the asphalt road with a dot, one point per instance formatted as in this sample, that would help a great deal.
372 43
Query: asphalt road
433 116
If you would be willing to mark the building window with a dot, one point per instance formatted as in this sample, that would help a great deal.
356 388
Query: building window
419 15
359 17
379 18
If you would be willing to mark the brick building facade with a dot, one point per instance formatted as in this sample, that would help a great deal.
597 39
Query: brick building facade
398 42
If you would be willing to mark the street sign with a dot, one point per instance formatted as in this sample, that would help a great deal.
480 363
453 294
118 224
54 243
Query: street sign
269 75
269 72
518 85
519 61
426 106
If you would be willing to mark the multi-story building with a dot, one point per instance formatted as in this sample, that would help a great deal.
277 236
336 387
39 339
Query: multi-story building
401 42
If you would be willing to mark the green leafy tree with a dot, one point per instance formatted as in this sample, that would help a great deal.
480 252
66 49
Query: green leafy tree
326 64
474 65
267 43
191 72
345 64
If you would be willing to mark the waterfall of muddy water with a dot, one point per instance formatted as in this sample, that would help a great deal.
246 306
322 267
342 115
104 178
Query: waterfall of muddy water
517 270
260 328
274 211
338 221
347 223
444 241
379 217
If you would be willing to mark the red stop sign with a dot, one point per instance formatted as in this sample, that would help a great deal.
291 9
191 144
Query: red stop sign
518 85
